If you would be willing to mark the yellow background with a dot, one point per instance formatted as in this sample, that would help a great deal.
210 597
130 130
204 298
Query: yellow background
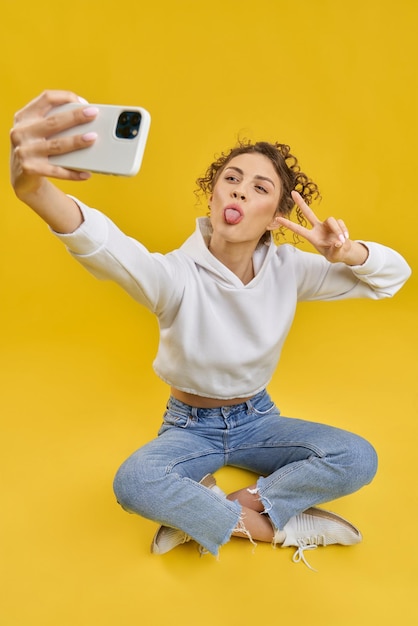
338 81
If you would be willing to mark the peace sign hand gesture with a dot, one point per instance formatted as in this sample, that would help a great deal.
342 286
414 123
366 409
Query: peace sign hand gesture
330 237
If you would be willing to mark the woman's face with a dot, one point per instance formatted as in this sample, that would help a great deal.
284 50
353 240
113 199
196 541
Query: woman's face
245 198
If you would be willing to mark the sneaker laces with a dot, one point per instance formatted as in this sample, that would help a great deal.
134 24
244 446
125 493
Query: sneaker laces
309 543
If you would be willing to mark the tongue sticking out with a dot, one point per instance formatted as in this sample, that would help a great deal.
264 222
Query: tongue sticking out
232 216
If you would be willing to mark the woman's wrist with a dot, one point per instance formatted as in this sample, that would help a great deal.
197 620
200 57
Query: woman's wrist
57 209
357 255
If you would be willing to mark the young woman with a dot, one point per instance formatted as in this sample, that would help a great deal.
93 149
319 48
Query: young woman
225 301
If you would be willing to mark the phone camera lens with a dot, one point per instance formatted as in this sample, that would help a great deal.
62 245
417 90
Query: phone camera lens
125 132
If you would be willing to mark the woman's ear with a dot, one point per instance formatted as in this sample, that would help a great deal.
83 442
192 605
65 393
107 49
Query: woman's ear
274 222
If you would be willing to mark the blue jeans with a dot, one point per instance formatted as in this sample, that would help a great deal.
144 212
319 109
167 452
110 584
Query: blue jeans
300 464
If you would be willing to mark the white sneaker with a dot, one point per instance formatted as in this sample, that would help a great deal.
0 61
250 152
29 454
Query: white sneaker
167 538
316 527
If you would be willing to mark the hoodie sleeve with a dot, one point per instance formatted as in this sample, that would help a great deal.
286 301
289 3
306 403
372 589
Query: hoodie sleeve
105 251
382 274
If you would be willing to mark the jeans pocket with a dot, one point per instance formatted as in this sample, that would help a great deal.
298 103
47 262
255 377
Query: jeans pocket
174 418
267 408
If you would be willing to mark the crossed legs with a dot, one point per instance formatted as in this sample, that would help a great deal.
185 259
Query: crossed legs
257 525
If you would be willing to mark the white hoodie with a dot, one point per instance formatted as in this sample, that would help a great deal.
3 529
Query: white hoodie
220 338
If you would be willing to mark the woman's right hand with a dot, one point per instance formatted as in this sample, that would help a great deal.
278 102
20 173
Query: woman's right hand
33 141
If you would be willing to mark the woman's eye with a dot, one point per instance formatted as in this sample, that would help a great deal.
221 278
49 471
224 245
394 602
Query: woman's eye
231 178
261 188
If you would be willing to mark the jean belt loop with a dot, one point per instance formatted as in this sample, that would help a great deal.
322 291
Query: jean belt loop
249 406
194 413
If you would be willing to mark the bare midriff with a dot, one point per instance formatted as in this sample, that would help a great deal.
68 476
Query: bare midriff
202 402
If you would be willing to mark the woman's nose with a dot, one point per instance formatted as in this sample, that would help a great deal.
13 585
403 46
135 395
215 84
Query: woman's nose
238 194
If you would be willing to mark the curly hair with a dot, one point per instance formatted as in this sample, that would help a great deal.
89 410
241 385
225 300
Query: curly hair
285 164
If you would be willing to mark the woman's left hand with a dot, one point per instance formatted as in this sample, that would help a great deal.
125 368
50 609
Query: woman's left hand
330 237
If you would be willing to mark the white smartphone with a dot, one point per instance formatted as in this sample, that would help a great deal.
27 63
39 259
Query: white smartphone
121 138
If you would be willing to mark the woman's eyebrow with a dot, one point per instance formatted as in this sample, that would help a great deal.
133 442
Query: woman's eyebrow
257 176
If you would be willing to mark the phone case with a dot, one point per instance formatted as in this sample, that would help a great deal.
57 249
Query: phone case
119 147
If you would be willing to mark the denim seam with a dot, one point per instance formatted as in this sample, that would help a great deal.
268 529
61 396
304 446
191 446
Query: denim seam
289 444
189 457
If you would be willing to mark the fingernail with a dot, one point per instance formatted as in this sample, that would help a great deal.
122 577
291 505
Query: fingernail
347 236
84 175
90 136
91 111
82 100
341 238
